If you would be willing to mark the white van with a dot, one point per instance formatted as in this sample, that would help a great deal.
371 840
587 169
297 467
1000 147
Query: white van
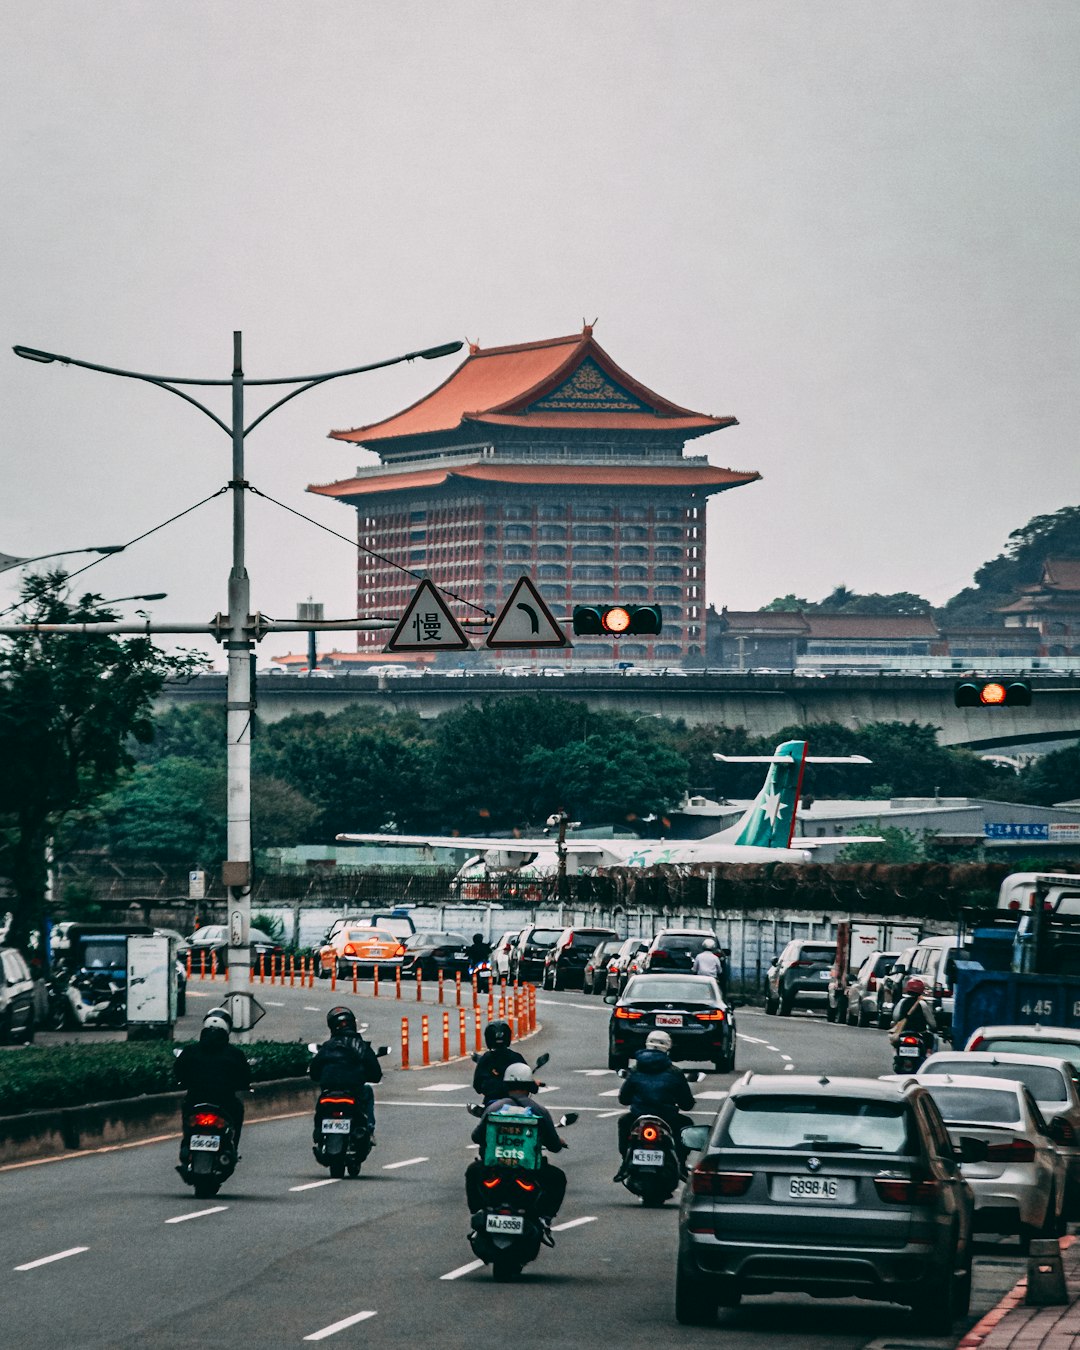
934 962
1061 890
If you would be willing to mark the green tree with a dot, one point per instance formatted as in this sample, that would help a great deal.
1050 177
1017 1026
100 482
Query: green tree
173 811
895 846
1052 778
69 706
1050 536
604 779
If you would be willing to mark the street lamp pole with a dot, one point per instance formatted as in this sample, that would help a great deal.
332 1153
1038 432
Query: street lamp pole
239 629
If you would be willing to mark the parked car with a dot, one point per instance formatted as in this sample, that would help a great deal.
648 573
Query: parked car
673 950
1019 1186
837 1187
1052 1081
801 971
213 939
360 949
432 952
500 954
1057 1042
18 998
601 961
934 962
690 1008
891 986
527 958
565 959
627 963
862 996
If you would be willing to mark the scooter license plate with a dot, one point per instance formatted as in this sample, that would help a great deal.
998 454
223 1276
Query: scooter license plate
205 1143
505 1223
909 1051
647 1157
336 1126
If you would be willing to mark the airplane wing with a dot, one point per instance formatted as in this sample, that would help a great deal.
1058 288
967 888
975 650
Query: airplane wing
805 841
790 759
545 844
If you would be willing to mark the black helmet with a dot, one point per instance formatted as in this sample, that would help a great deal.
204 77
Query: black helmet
497 1035
477 937
341 1021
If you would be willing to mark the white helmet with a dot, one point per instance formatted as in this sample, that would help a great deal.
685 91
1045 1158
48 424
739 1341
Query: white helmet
709 945
658 1040
518 1075
218 1019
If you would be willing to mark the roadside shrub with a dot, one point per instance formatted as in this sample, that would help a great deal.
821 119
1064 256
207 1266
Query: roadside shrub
37 1078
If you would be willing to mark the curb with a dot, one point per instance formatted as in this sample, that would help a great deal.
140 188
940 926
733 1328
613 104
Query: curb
1016 1295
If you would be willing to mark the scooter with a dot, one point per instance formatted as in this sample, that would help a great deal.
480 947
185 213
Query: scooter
208 1155
652 1167
481 970
910 1051
476 1058
342 1135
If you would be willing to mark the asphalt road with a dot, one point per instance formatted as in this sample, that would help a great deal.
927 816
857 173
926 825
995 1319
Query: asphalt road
111 1250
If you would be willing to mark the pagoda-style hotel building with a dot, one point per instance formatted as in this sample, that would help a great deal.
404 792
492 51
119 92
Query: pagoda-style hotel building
542 458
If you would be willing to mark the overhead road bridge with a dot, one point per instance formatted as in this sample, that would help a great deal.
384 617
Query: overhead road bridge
762 703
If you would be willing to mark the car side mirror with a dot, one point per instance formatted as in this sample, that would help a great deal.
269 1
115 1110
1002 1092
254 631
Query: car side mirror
382 1051
694 1076
541 1061
973 1150
611 997
694 1137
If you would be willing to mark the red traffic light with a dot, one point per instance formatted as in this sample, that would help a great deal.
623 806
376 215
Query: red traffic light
974 693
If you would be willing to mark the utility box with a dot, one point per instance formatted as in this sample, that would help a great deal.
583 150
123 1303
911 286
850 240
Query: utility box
151 987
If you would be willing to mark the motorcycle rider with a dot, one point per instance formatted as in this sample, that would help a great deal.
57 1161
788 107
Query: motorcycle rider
655 1088
518 1083
913 1015
347 1062
478 950
215 1072
493 1063
711 962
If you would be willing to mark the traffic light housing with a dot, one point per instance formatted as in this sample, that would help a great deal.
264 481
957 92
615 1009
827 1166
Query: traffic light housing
1006 691
617 621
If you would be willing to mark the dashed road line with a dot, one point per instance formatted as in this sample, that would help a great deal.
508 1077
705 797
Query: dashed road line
407 1162
444 1087
612 1092
462 1270
786 1059
47 1260
197 1214
309 1008
311 1185
606 1115
335 1327
572 1223
594 1073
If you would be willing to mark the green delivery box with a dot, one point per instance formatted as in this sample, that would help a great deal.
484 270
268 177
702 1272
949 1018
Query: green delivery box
512 1139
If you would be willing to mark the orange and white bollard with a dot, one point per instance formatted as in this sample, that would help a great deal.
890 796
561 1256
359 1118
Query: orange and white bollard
502 1005
355 975
202 965
442 983
333 977
375 980
213 965
463 1051
419 985
476 989
425 1046
292 970
457 987
491 1006
187 963
397 983
404 1042
479 1032
446 1038
262 967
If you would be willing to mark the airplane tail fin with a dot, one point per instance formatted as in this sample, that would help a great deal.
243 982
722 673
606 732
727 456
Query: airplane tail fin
770 820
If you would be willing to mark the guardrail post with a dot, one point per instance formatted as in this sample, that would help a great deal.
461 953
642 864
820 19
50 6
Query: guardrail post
404 1042
425 1047
446 1038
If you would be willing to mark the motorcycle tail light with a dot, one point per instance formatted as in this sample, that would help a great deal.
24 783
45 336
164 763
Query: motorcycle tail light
337 1101
903 1191
208 1118
490 1183
651 1133
707 1179
526 1185
627 1014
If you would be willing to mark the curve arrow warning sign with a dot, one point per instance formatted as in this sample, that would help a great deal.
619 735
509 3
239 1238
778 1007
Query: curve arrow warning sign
525 621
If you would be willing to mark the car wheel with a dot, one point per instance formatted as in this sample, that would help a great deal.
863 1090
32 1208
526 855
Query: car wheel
787 1002
832 1012
884 1018
617 1061
28 1031
726 1063
963 1291
934 1303
862 1019
181 1003
771 1006
695 1300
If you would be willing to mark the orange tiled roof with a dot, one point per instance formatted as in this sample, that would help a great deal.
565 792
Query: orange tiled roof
1062 573
603 475
497 386
871 626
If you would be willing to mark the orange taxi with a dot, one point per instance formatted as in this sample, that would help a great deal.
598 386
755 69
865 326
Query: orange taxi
359 948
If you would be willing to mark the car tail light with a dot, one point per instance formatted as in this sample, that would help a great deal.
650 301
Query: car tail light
796 964
976 1042
1016 1150
658 956
707 1179
613 968
400 951
208 1118
349 949
899 1191
717 1015
1066 1134
651 1133
627 1014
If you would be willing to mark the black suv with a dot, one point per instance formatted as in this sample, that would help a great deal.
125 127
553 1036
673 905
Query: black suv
801 970
527 956
672 950
564 964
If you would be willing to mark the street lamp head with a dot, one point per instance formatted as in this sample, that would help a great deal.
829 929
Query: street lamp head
108 548
32 354
446 349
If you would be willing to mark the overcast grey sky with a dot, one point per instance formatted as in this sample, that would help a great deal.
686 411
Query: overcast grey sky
852 225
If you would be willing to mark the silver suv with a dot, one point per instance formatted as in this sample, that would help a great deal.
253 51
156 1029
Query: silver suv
840 1188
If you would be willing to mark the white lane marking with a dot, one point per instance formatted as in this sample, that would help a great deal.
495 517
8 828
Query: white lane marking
58 1256
548 1088
197 1214
789 1068
198 993
558 1003
444 1087
606 1115
271 1004
750 1040
339 1326
462 1270
572 1223
774 1048
469 1147
309 1008
786 1059
310 1185
614 1092
594 1073
408 1162
712 1096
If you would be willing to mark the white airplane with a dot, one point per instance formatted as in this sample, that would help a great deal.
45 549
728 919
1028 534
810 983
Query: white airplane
762 835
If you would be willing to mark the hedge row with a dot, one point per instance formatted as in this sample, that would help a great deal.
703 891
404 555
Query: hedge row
36 1078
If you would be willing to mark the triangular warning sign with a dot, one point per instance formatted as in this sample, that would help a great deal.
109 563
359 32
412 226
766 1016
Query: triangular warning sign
525 621
427 625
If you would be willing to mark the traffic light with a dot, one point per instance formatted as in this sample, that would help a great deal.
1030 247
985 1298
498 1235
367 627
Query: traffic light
617 620
1007 690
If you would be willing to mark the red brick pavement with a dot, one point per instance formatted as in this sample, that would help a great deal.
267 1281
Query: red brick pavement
1012 1325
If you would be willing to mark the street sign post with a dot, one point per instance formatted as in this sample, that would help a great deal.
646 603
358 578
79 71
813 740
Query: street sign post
525 621
427 625
244 1009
